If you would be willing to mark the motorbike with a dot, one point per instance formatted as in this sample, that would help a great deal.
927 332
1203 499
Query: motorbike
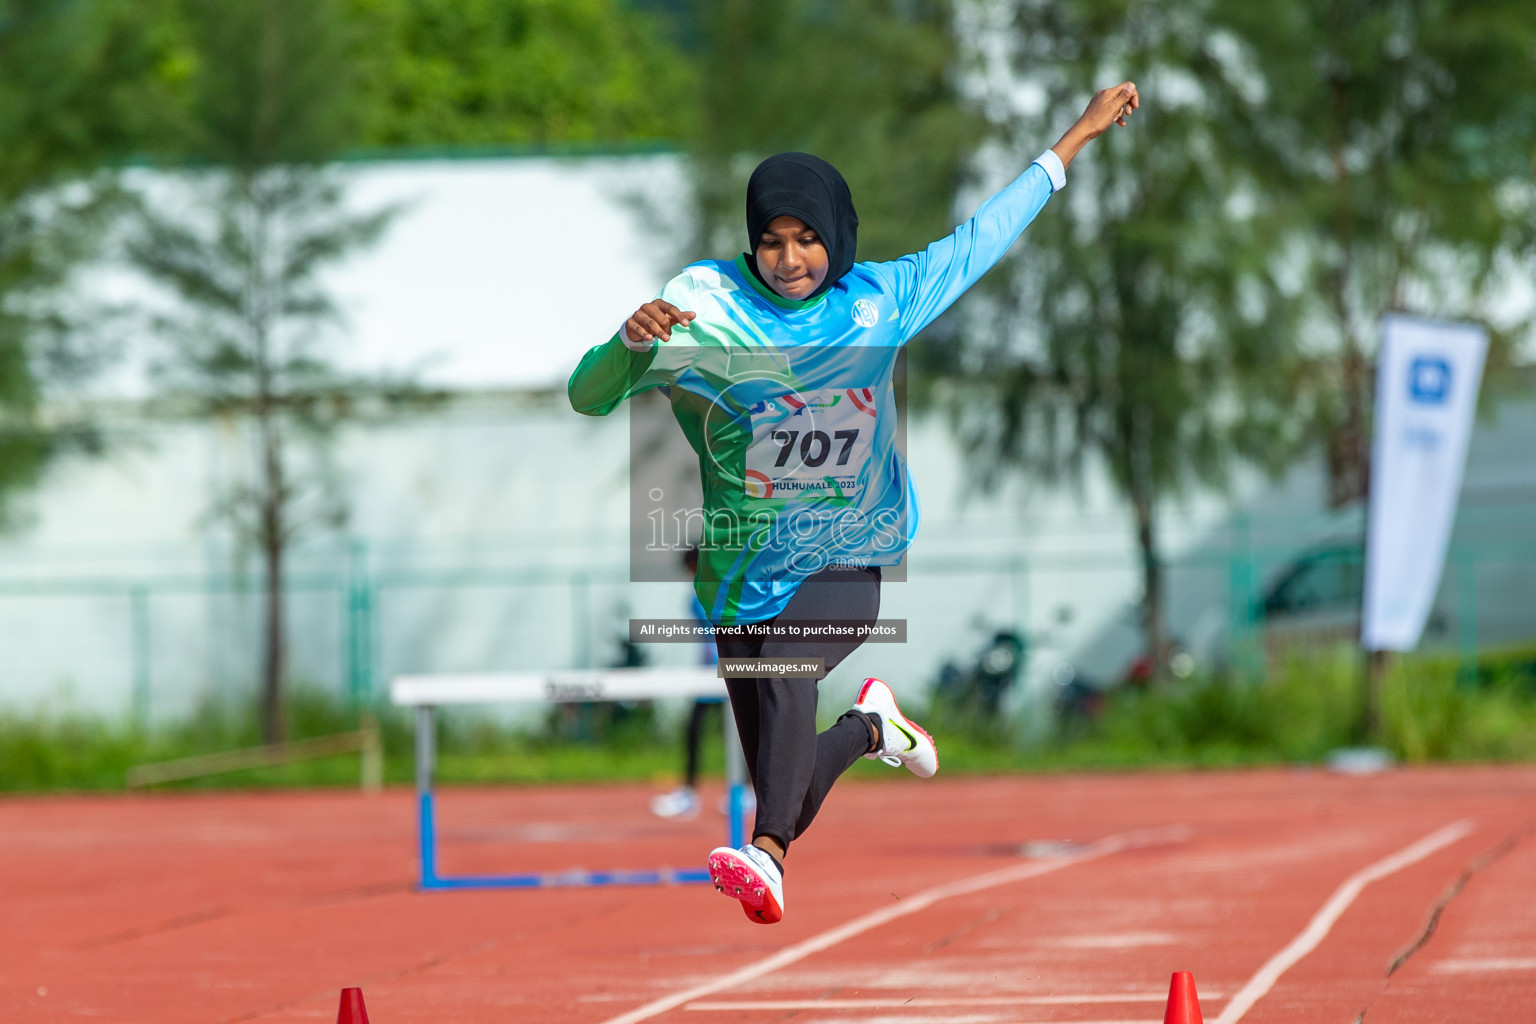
975 692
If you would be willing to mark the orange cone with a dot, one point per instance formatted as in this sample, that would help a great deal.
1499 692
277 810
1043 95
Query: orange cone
353 1012
1183 1004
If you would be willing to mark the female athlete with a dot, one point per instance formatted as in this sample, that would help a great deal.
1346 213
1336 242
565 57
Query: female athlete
780 376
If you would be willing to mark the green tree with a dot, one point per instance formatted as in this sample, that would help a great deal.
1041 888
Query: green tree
1145 326
80 83
488 72
271 100
1398 139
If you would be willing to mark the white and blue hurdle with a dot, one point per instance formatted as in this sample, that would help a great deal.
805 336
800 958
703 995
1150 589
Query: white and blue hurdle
427 693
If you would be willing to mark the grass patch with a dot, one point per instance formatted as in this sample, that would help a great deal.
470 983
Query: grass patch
53 753
1305 710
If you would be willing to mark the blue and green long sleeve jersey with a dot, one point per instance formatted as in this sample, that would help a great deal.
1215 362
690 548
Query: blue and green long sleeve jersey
790 406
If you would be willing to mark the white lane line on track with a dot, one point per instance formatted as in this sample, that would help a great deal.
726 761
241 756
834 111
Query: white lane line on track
1322 922
910 905
896 1002
1488 964
973 1019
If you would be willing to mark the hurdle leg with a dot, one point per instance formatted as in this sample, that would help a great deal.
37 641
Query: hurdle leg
426 764
735 780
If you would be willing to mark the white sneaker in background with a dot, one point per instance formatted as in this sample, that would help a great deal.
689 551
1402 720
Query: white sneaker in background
682 802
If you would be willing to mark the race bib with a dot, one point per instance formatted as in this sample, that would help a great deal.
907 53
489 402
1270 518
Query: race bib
811 443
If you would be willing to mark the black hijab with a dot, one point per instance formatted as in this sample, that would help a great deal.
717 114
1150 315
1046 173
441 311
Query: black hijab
811 189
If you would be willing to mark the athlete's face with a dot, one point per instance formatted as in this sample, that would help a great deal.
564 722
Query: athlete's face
791 258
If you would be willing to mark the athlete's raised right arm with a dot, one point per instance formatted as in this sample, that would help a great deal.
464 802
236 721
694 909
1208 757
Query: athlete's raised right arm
617 369
926 283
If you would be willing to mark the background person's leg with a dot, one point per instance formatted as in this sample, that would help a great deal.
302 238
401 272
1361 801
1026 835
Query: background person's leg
683 802
695 736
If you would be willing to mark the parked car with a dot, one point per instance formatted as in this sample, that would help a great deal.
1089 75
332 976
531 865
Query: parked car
1313 603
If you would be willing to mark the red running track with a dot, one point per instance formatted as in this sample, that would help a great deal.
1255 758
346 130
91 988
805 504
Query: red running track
1407 897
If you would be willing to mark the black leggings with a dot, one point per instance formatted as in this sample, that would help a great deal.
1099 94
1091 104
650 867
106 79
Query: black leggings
792 767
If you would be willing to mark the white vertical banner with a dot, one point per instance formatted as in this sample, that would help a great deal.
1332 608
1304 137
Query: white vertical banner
1427 378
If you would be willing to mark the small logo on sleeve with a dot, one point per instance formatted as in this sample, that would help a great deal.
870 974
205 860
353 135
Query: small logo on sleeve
865 314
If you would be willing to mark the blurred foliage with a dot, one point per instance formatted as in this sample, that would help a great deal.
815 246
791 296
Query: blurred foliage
266 82
272 91
868 85
260 221
1431 714
479 72
1301 713
1143 326
88 84
80 84
1396 141
77 751
1204 292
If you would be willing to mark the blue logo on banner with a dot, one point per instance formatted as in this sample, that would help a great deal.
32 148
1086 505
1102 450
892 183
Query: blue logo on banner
1429 380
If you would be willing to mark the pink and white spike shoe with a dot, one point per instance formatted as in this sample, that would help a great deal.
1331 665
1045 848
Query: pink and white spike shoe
752 876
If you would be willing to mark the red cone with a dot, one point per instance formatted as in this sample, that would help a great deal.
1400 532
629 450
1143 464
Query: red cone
1183 1004
353 1012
